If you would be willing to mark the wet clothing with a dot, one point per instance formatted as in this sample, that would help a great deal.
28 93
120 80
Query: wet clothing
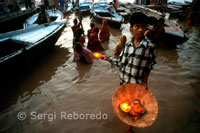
105 32
75 28
135 62
86 53
93 40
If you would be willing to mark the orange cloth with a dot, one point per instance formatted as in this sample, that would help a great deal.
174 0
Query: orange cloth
93 40
120 45
105 32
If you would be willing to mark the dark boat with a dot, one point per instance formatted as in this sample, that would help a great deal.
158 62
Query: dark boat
172 39
99 12
54 16
18 46
85 7
13 21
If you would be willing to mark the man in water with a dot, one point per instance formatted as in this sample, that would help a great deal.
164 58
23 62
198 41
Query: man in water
111 8
138 57
43 16
76 26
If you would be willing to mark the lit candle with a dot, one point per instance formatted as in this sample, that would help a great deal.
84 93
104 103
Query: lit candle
98 55
125 107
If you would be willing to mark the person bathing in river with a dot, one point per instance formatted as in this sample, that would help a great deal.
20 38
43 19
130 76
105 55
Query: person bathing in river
111 8
93 40
104 34
155 34
120 46
76 26
80 37
92 25
43 16
138 57
82 54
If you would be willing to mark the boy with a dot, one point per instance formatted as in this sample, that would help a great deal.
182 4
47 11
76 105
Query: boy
138 56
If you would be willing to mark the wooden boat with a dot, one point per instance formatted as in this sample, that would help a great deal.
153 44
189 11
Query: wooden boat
123 12
100 12
171 39
85 7
54 16
18 46
13 21
68 10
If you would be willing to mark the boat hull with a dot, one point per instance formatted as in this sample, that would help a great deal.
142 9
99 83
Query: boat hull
112 23
31 53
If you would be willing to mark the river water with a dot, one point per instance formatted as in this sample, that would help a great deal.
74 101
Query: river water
56 85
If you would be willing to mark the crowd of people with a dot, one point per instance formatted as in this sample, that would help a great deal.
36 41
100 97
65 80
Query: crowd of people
94 43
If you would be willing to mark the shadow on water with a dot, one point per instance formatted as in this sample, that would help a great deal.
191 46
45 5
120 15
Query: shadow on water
82 69
25 79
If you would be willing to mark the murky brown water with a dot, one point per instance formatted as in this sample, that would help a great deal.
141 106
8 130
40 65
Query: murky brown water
57 84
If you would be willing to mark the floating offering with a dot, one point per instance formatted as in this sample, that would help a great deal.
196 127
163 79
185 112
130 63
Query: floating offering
125 107
135 105
134 109
97 55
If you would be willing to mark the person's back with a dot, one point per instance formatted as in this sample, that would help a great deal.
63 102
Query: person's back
79 37
80 52
111 8
93 40
76 26
104 34
90 30
43 16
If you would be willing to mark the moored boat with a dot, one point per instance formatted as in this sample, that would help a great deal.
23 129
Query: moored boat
100 12
85 6
68 9
54 16
18 46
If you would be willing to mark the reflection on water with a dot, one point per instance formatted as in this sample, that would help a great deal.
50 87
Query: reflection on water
55 84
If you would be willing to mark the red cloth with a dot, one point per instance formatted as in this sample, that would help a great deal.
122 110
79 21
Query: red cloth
105 32
154 1
93 40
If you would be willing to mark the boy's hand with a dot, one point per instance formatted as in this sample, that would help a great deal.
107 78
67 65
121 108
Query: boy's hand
104 57
145 86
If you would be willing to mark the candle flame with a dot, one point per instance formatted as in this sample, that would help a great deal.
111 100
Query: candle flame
125 107
97 55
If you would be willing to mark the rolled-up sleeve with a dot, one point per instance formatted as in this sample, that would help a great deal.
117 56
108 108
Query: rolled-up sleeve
114 62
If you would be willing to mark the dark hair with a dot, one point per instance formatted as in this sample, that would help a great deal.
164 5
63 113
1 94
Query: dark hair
161 20
79 33
92 24
42 7
138 18
75 21
78 47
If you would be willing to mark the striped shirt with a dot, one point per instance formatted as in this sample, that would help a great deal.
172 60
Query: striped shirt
135 62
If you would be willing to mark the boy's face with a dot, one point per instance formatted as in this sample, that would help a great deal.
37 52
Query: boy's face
138 30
